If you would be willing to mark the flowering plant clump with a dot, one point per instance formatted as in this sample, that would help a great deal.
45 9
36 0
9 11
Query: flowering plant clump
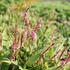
35 37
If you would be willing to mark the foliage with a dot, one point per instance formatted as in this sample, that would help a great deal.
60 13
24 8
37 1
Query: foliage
34 37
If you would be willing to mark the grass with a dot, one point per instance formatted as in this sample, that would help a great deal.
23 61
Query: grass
35 37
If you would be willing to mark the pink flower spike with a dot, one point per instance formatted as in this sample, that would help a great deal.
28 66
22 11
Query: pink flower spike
25 13
14 46
37 26
34 36
26 20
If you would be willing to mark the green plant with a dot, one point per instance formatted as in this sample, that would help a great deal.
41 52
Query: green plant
35 38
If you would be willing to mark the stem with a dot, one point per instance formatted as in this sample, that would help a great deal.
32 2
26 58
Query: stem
62 52
47 49
55 54
42 54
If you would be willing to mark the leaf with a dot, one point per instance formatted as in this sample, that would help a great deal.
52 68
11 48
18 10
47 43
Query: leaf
22 68
33 59
4 66
2 58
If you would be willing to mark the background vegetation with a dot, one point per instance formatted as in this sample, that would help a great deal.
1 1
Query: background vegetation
34 35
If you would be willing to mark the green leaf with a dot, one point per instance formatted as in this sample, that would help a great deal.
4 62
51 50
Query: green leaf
33 59
4 66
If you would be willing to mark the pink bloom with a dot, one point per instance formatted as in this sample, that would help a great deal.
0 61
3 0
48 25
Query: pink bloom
37 26
68 53
62 62
14 49
34 36
14 46
26 20
68 59
25 13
